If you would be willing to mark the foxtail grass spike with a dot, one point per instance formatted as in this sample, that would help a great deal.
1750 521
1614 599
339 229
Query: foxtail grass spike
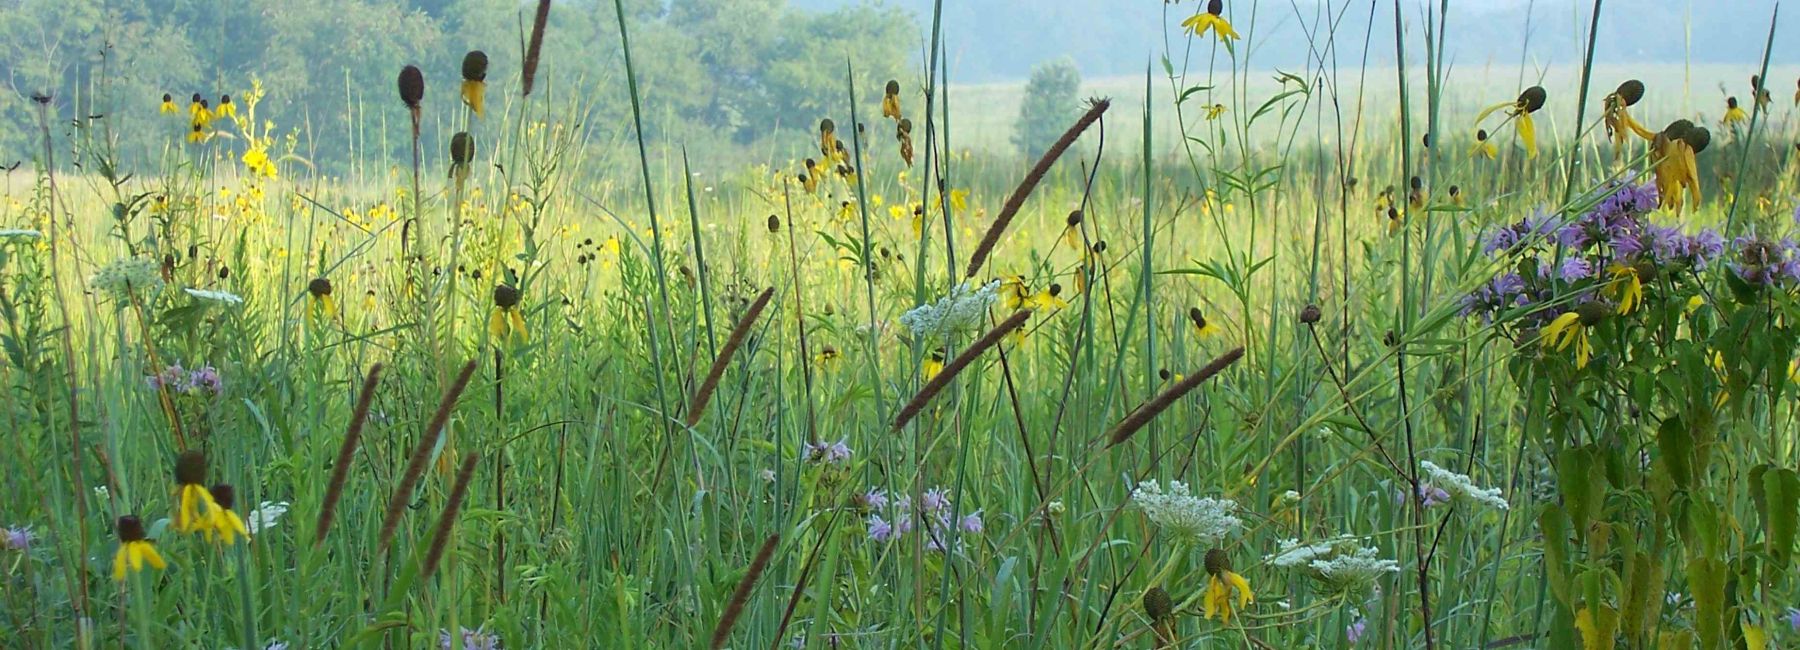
535 48
440 537
1017 200
957 365
1149 410
739 596
346 452
421 455
739 332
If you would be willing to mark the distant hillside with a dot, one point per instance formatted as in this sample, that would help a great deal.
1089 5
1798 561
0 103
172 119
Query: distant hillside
997 40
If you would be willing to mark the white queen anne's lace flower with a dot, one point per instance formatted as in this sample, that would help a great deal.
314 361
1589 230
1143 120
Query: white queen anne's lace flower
1196 519
1340 564
124 276
1460 485
962 310
265 516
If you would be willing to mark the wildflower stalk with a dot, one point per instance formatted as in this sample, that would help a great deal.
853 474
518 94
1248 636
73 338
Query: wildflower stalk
421 454
868 245
1756 112
700 268
65 337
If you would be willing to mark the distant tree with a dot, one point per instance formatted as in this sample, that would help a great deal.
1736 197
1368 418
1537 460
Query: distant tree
1048 106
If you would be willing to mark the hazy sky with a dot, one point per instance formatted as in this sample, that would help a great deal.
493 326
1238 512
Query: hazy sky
992 40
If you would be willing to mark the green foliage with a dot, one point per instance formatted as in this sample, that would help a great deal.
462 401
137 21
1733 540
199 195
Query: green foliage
1048 107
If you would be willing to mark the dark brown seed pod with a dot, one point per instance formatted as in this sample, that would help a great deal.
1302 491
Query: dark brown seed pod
1216 7
1532 99
1196 317
1697 137
224 495
1481 135
505 296
534 48
893 87
1417 183
1157 604
474 67
319 287
1731 102
168 98
1311 314
774 224
190 468
412 86
1217 562
1074 218
130 528
903 128
1677 130
1630 92
1593 312
462 148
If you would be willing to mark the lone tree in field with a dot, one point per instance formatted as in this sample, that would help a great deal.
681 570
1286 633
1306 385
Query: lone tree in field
1048 107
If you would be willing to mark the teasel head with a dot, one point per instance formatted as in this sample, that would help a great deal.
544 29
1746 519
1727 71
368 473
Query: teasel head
412 86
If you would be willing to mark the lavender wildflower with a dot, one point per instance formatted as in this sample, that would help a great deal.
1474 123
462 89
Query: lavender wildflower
17 538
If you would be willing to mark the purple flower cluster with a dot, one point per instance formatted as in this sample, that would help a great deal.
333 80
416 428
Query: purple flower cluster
1762 262
941 529
1429 495
205 380
476 639
829 453
17 538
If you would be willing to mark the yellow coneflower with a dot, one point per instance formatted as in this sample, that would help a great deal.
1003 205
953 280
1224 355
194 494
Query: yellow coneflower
890 100
1072 230
1797 92
1734 114
810 179
1617 115
168 104
226 108
1415 195
1483 146
1627 286
507 322
1203 328
933 365
1214 111
194 106
1049 299
1213 20
226 523
1226 591
1571 328
1520 109
474 83
1395 219
194 506
828 143
1677 172
826 356
1456 197
320 306
903 133
135 549
1013 292
1760 93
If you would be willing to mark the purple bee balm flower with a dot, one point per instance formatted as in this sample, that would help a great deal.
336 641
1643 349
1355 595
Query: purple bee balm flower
876 498
1576 268
1793 619
1574 235
935 499
471 640
971 523
1432 496
832 453
1499 241
206 380
1354 631
17 538
880 530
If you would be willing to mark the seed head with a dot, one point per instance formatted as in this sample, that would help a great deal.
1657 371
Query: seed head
224 495
893 87
1630 92
462 148
474 66
1074 218
1310 314
412 86
1532 99
130 529
190 468
774 224
319 287
1157 604
505 296
1215 7
1217 562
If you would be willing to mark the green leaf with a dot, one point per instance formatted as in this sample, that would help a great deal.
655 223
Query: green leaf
1555 525
1676 443
1706 578
1780 492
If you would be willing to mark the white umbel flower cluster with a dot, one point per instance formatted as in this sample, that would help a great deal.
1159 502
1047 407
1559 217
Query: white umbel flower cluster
120 278
1199 520
19 233
1339 565
1460 485
960 311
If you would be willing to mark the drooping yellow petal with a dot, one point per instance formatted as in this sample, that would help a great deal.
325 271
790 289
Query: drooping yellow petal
1243 588
497 324
1528 133
120 557
518 325
1483 115
474 94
